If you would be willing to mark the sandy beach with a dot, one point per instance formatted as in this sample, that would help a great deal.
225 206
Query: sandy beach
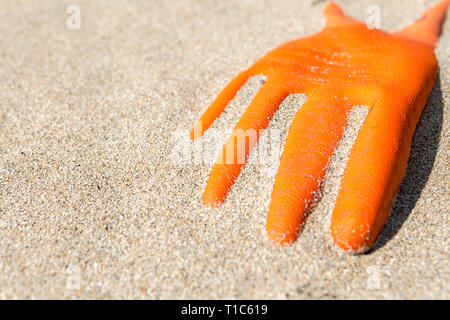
93 205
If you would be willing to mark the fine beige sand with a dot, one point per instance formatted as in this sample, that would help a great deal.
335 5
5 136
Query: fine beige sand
94 205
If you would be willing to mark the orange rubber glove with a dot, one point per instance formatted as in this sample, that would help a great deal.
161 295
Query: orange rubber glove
344 65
